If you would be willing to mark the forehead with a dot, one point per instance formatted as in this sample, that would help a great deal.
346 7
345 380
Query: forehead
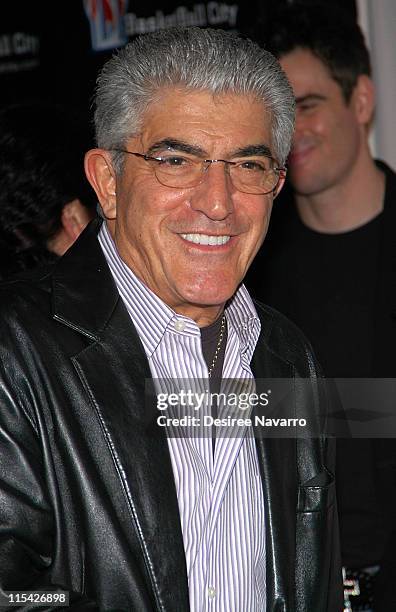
210 121
307 73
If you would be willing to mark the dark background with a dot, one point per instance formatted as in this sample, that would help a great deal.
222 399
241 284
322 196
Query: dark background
47 52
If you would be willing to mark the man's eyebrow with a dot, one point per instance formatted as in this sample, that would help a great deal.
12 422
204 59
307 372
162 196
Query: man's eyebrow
174 144
310 98
259 149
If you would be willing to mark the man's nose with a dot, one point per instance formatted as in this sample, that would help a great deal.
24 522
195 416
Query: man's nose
213 196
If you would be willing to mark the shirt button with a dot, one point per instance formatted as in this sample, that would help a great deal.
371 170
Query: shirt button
180 325
211 592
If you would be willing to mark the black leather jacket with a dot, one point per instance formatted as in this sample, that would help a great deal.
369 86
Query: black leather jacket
87 497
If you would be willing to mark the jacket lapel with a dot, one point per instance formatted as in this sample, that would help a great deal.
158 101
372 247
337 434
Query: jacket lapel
114 369
276 460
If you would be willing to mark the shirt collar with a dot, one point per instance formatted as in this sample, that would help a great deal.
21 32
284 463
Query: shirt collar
152 317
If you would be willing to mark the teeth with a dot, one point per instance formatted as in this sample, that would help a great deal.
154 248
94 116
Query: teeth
206 239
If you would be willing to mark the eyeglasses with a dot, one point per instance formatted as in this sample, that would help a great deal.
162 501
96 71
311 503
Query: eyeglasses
250 175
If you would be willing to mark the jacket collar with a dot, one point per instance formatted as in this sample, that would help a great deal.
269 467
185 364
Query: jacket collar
84 294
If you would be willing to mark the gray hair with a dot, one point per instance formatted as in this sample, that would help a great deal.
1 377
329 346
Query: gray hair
196 58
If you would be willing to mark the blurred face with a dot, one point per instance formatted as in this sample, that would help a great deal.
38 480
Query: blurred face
192 246
328 133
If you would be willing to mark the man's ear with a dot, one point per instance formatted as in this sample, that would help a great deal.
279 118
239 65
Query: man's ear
363 99
100 173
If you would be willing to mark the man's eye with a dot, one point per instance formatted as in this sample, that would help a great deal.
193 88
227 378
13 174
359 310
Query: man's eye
173 161
254 166
307 106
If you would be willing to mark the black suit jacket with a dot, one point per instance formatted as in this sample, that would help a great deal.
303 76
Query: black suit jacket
87 495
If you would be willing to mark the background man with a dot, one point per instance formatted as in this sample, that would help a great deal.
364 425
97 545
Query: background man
193 127
328 261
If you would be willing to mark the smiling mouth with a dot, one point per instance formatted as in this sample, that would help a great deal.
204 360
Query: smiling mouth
206 239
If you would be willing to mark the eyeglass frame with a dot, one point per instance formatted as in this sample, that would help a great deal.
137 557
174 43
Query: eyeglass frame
281 171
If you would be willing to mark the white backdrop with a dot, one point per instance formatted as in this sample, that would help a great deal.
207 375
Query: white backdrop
378 21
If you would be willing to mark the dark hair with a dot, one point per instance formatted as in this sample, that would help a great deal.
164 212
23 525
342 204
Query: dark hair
41 169
330 33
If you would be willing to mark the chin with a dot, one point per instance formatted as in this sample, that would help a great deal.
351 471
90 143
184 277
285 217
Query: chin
208 297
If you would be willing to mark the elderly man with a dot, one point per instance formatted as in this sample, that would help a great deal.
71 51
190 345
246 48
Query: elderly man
193 127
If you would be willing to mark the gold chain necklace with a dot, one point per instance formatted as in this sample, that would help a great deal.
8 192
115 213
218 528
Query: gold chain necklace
218 347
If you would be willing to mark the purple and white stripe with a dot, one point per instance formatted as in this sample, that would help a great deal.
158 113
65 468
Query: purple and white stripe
220 498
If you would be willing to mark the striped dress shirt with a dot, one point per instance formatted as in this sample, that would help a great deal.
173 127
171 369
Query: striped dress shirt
220 496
